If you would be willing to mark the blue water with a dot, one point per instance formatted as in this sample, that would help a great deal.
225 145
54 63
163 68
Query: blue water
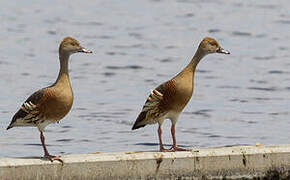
242 98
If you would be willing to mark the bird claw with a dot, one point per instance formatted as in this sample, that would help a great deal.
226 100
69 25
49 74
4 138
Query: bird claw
53 158
176 148
173 149
166 150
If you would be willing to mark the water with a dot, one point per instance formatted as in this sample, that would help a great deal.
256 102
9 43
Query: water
242 98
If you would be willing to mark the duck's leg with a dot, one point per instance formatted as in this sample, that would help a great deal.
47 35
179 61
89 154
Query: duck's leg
162 149
174 146
46 154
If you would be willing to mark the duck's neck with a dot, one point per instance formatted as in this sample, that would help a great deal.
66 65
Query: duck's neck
199 54
63 76
190 68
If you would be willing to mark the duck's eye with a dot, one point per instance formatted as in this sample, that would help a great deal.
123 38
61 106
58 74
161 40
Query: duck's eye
212 43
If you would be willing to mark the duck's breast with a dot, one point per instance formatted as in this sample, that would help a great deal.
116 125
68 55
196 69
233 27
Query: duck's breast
57 103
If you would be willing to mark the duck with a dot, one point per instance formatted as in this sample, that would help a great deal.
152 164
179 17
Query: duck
168 100
50 104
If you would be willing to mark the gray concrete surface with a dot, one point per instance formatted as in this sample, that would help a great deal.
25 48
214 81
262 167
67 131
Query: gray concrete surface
206 163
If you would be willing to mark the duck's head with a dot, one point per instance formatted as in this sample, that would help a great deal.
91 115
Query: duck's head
209 45
70 45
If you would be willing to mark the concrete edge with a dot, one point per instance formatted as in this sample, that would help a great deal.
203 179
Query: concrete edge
230 162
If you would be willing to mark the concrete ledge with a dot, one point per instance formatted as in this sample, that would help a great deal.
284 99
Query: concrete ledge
211 163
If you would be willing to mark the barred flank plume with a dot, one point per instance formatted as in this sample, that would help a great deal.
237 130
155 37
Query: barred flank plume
27 115
150 111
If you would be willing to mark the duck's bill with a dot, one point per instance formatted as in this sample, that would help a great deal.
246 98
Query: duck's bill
223 51
83 50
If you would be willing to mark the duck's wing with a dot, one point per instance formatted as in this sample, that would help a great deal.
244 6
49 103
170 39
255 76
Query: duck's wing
28 114
156 105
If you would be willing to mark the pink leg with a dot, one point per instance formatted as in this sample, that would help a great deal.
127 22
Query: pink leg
174 146
46 154
162 149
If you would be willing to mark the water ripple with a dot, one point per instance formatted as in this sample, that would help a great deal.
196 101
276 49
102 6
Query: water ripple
239 33
203 112
276 72
264 57
214 30
64 140
125 67
263 88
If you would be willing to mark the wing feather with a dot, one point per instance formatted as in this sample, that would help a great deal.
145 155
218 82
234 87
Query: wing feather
156 105
28 114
